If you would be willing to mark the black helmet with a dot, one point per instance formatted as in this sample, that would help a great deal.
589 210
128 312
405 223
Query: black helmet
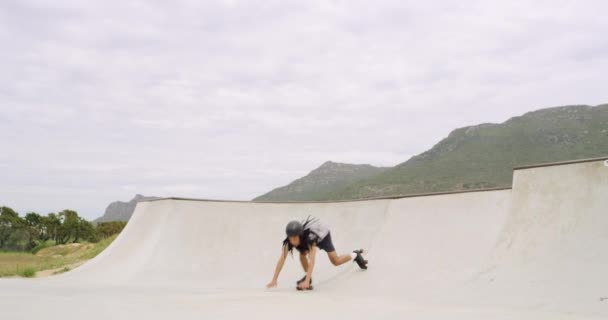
294 228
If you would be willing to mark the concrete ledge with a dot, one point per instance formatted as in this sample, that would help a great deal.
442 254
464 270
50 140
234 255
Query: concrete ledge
338 201
550 164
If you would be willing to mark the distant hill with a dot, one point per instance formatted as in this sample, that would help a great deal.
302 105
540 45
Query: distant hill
122 211
484 155
328 177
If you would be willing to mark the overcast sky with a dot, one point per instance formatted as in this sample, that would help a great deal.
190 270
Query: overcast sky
100 100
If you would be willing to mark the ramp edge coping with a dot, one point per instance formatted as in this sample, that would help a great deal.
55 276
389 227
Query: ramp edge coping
560 163
338 201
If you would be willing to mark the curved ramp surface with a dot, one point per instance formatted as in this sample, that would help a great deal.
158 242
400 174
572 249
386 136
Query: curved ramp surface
537 251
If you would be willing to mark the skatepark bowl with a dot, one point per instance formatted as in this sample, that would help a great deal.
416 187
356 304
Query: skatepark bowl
536 251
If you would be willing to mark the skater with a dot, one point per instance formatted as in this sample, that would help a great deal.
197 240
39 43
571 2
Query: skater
306 237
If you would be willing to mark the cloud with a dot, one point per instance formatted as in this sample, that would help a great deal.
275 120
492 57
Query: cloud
228 99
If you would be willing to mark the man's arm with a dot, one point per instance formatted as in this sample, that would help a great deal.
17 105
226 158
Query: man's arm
278 268
311 265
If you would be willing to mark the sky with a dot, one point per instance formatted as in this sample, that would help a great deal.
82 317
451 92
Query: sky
101 100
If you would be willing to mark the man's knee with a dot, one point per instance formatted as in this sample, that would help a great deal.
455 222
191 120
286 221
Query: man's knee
333 259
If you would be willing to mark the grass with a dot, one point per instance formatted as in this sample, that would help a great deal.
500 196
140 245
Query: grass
65 269
28 272
98 248
26 264
42 245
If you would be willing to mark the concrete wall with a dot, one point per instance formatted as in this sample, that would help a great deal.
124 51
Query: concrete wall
541 245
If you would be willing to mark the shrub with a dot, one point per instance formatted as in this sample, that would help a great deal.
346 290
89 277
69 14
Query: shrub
40 246
65 269
108 229
28 272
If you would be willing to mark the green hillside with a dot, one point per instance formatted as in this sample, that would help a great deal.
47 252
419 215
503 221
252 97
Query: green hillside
483 156
327 178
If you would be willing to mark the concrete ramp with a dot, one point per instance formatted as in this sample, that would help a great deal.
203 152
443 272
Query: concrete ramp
428 244
552 250
536 251
224 245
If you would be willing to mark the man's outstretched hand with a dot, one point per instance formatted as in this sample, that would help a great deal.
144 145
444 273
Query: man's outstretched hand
272 284
304 284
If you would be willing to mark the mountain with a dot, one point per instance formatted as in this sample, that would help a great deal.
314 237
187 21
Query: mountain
122 211
484 155
329 176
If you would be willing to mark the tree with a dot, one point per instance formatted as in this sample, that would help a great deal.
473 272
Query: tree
34 223
19 239
50 226
9 223
108 229
86 231
74 228
70 223
18 233
33 219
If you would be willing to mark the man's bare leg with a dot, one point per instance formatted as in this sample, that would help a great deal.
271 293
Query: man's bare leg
338 260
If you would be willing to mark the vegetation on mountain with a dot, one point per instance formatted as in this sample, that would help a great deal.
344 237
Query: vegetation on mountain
476 157
328 177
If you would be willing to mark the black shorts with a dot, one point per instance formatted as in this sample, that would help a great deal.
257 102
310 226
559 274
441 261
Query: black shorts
326 244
